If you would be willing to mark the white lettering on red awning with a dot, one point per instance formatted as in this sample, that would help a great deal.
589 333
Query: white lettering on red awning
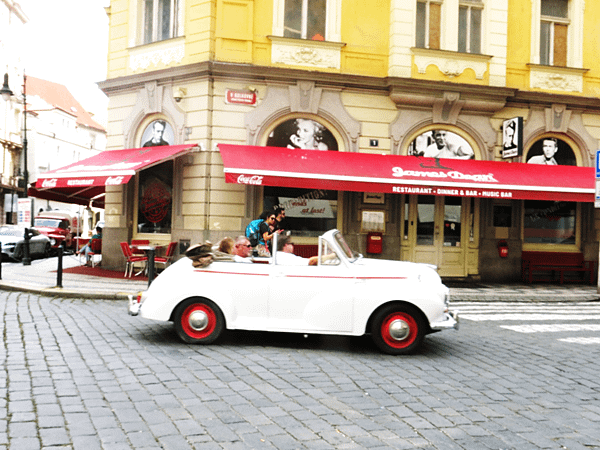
454 174
245 179
49 183
80 182
113 181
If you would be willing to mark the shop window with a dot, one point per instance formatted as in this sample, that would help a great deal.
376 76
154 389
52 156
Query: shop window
428 30
155 199
308 212
441 144
553 32
159 19
549 222
469 26
305 19
551 151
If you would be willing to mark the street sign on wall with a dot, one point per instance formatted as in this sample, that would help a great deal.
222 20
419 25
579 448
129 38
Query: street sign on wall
597 196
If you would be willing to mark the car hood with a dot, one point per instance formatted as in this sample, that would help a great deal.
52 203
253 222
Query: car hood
383 267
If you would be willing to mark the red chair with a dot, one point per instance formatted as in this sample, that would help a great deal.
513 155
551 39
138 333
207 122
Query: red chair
135 243
131 259
168 258
96 249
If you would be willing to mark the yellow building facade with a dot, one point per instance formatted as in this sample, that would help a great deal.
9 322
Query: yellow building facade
441 79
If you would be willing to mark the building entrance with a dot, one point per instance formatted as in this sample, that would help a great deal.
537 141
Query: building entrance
439 232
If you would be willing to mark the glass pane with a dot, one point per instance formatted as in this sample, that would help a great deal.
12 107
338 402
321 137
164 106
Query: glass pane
406 206
475 31
549 222
452 221
545 35
293 19
308 212
165 19
462 29
421 24
425 219
155 199
148 16
315 21
555 8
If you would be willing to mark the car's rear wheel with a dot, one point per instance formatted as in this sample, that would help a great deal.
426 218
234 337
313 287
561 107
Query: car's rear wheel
47 250
397 329
198 321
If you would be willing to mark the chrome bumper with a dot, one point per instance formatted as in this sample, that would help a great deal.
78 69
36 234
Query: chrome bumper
451 320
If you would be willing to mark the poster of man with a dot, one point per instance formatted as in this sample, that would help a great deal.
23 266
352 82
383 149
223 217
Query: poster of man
551 151
302 133
157 134
512 137
441 143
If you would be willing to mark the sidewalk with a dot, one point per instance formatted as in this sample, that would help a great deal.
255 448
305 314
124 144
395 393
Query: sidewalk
41 277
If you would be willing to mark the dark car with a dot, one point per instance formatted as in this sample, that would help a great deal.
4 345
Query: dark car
13 239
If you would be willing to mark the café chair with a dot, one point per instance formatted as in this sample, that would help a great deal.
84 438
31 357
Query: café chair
168 258
96 250
135 243
131 259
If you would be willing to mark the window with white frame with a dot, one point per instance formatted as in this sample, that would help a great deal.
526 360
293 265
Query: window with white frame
554 27
305 19
159 18
428 31
470 14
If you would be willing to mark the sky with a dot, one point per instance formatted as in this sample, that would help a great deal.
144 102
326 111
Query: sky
66 42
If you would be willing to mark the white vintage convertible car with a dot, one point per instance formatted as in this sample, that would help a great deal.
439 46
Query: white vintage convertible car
396 302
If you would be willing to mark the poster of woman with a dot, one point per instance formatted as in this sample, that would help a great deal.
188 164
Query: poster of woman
302 133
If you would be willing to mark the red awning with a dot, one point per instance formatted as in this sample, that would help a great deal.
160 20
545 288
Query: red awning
364 172
86 180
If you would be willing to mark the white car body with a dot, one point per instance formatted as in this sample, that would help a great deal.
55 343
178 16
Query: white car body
341 295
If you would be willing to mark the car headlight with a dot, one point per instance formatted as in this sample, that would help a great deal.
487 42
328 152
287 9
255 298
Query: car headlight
52 241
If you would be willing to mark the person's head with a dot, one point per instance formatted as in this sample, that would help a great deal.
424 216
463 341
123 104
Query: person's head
279 213
308 129
158 129
439 136
285 244
98 230
549 146
242 247
269 216
226 245
509 132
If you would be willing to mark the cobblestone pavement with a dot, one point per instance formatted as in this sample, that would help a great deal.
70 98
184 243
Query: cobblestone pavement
82 374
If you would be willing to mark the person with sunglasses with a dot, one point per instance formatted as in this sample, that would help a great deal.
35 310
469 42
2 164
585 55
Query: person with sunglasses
242 250
267 231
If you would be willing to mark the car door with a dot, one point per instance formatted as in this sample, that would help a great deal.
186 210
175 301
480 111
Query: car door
312 298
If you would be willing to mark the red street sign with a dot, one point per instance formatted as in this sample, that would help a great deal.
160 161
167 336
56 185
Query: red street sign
240 97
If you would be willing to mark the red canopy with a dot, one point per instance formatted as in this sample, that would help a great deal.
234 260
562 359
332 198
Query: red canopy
365 172
86 180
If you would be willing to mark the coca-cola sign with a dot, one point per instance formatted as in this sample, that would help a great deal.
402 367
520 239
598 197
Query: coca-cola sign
114 181
49 183
250 179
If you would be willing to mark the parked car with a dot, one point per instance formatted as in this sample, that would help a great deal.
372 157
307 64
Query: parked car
12 238
396 302
59 226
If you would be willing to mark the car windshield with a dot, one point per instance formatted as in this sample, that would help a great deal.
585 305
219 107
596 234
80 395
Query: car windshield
51 223
350 254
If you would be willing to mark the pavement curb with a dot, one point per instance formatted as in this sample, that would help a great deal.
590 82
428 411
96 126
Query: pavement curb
67 293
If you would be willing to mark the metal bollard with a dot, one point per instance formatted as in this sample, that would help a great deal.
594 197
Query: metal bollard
150 266
59 270
26 254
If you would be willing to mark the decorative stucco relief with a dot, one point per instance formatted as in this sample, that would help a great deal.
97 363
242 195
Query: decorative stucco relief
554 81
451 66
304 54
144 59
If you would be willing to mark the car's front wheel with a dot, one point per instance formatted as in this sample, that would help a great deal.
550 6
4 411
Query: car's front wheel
397 329
198 321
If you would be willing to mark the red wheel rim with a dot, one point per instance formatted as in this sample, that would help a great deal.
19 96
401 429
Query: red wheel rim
389 322
193 310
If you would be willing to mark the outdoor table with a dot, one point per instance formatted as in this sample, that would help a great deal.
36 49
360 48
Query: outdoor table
150 251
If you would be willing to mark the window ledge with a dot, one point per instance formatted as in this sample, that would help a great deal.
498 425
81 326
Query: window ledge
451 63
157 53
556 78
305 52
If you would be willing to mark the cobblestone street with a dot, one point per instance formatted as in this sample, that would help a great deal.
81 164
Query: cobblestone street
82 374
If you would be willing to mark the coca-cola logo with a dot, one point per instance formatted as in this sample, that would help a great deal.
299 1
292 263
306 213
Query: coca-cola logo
254 179
113 181
51 183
